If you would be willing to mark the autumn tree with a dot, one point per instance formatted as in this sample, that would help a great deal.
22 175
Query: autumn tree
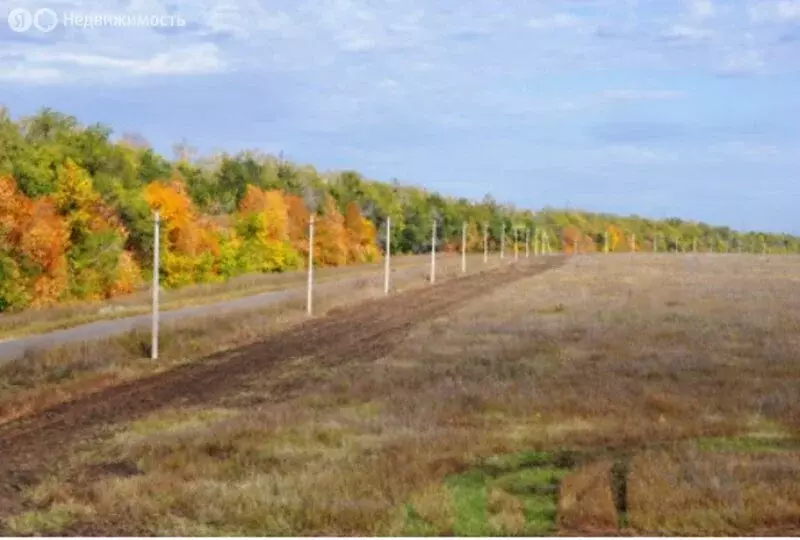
263 224
330 237
298 223
614 236
361 233
191 246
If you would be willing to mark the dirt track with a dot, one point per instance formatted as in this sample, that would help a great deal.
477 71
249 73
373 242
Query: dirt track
365 332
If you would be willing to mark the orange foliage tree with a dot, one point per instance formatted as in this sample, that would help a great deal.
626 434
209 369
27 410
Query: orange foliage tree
192 245
330 236
570 236
298 223
35 237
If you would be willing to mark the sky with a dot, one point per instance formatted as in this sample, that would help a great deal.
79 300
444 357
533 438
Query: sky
661 108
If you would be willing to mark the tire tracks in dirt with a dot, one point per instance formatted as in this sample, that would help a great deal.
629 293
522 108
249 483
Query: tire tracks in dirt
363 332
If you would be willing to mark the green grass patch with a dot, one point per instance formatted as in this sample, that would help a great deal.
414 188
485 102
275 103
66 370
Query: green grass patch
515 494
469 504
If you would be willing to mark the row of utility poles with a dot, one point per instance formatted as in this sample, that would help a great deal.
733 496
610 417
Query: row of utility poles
541 246
545 248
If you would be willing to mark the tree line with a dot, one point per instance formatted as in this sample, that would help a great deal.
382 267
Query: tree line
76 216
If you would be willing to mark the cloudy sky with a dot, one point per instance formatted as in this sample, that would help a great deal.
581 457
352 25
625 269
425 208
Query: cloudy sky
654 107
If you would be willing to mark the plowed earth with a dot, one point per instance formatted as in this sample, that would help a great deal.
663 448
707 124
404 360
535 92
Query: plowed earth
30 446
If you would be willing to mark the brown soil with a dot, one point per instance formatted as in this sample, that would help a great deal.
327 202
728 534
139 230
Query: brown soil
31 445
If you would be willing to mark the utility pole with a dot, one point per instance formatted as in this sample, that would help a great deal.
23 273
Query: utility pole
156 270
605 242
527 243
310 285
516 243
464 247
655 243
485 243
503 242
433 253
386 262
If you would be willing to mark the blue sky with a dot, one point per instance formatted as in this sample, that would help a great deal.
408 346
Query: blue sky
659 108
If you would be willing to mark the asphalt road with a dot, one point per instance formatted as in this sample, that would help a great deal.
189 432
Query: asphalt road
15 348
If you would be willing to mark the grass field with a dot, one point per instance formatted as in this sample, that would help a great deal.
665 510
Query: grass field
622 394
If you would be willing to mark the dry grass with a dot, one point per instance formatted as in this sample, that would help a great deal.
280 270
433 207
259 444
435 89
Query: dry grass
42 378
641 351
586 503
691 493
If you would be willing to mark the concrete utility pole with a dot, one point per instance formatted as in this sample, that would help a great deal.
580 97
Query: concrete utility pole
310 285
156 284
503 242
464 247
527 243
605 242
485 243
633 243
516 243
655 243
433 253
677 246
386 262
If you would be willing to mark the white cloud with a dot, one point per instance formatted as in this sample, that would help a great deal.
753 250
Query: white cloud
700 9
680 33
32 75
789 10
199 59
765 11
641 95
555 21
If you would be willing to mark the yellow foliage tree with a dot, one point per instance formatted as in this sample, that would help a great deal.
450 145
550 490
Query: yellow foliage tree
263 225
360 236
614 236
192 248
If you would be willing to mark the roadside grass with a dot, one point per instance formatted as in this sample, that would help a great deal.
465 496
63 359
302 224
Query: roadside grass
663 397
37 321
45 377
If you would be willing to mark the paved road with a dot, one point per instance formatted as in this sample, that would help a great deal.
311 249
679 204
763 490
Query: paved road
15 348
